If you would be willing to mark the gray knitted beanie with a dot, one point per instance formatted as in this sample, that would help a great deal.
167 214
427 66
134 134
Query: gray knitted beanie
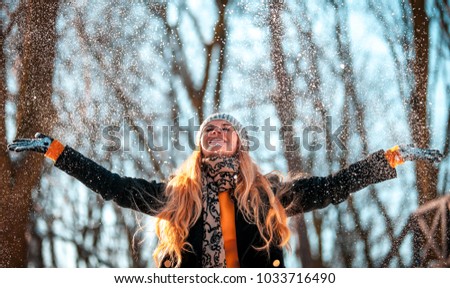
240 130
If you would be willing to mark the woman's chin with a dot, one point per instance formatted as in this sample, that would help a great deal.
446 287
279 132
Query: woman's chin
217 151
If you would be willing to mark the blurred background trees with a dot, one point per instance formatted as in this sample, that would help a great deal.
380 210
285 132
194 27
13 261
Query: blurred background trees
343 78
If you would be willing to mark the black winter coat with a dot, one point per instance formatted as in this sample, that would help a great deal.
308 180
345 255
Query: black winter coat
305 195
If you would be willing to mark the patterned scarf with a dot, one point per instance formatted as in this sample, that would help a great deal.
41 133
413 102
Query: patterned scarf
219 174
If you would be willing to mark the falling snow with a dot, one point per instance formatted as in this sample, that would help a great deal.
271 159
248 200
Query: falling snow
125 76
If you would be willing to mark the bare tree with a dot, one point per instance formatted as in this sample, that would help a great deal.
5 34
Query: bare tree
284 99
426 174
35 112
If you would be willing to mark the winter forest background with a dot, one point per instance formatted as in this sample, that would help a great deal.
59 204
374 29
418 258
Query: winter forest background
376 70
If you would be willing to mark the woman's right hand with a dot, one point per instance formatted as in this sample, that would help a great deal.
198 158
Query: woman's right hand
39 144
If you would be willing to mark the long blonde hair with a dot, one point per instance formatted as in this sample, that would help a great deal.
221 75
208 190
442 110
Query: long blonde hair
255 200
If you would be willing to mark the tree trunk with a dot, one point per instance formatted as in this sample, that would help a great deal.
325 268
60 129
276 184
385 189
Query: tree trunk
34 113
284 101
426 174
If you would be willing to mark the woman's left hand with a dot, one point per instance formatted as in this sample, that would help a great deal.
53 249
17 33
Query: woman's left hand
409 152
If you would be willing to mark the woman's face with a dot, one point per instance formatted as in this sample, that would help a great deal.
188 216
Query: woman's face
219 138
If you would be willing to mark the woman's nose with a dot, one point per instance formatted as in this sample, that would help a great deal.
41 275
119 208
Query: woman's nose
217 130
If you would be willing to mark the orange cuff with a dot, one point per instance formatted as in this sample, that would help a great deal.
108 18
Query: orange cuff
55 149
393 156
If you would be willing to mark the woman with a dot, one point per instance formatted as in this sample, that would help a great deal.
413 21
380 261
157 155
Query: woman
219 210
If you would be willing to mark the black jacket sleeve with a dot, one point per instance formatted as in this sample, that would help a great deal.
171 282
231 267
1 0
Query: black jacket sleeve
303 195
137 194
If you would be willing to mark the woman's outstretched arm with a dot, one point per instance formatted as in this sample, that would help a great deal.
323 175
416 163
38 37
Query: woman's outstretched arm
137 194
306 194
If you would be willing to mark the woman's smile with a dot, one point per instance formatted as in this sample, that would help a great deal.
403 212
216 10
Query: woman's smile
216 142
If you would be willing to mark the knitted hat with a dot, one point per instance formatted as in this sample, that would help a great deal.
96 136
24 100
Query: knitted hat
240 130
